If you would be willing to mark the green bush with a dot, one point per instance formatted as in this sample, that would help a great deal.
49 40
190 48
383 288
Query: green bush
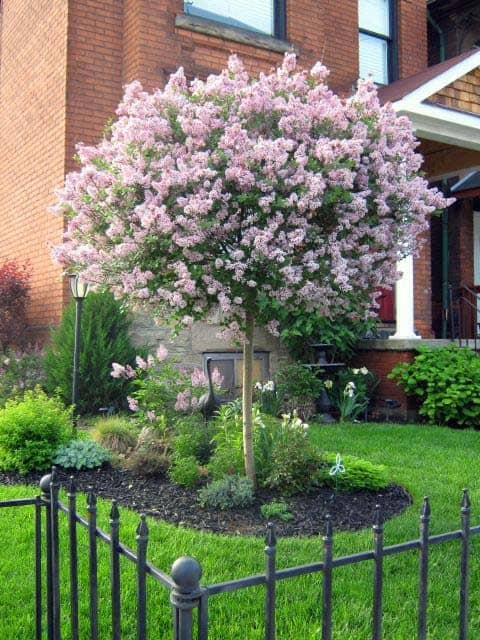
81 454
446 382
115 434
104 339
359 474
230 492
31 430
276 510
227 457
297 389
193 438
286 458
185 471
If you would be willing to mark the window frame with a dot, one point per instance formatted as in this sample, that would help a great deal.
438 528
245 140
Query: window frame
279 21
391 40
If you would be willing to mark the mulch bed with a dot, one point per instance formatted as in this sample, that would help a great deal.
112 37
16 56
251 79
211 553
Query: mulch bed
157 497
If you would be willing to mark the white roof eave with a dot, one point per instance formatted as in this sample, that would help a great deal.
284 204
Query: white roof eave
441 123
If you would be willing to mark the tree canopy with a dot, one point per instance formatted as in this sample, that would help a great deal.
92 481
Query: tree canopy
236 190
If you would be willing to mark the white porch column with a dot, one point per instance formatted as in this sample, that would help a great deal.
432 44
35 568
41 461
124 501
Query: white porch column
404 296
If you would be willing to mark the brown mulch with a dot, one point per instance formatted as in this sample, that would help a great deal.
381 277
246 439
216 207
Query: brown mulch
159 498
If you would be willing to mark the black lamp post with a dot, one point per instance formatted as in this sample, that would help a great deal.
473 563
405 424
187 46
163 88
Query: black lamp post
79 292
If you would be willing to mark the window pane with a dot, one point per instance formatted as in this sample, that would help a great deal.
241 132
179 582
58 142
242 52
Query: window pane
257 16
257 373
374 15
226 369
373 58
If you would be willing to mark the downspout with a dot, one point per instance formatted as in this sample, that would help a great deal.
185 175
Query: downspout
441 46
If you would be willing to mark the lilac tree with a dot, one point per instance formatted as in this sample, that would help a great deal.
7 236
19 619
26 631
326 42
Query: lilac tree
236 190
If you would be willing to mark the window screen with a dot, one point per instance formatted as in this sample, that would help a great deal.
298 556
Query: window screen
373 58
256 16
374 15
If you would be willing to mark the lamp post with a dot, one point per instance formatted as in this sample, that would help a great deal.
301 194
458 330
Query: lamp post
79 291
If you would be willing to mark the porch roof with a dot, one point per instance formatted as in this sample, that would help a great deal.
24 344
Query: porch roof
443 101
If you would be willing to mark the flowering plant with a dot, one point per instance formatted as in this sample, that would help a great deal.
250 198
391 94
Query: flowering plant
351 391
161 389
203 185
267 397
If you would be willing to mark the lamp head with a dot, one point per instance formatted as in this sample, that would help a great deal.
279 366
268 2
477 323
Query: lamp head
78 288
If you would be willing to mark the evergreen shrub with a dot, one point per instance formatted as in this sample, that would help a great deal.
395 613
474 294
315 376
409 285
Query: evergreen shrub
104 339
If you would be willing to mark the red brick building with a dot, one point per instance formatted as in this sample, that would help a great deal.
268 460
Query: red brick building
63 64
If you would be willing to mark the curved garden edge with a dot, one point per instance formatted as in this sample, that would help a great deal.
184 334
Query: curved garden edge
157 497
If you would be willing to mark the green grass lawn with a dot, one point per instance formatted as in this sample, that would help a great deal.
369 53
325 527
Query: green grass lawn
432 461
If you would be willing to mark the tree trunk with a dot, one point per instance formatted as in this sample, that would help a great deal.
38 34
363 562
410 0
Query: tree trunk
247 394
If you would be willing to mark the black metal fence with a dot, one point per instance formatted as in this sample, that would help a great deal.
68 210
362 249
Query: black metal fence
188 598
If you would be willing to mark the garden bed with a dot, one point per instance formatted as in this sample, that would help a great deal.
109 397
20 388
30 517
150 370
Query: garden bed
159 498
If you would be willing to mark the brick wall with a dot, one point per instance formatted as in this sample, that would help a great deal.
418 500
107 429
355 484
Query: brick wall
381 362
32 116
62 69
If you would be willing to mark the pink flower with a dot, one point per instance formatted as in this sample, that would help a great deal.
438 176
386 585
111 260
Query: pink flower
118 370
132 404
162 353
141 364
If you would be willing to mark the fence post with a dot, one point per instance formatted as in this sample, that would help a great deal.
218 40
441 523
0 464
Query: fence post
185 595
72 537
45 488
327 580
92 562
270 553
423 572
465 517
142 542
378 574
115 570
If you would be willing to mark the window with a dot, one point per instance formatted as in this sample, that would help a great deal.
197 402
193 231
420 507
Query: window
376 40
264 16
230 365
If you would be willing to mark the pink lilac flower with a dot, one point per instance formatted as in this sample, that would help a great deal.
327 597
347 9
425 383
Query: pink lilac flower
132 404
162 353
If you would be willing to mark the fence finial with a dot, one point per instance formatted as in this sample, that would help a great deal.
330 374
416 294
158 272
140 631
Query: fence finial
91 498
142 529
328 528
186 573
425 513
378 518
114 512
465 500
270 537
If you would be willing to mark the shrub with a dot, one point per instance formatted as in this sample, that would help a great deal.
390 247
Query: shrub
144 462
81 454
276 510
227 457
286 459
230 492
104 339
161 387
14 290
446 381
185 471
298 389
359 474
115 434
31 430
193 438
20 371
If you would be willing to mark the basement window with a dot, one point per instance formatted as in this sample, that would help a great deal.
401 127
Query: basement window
230 365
